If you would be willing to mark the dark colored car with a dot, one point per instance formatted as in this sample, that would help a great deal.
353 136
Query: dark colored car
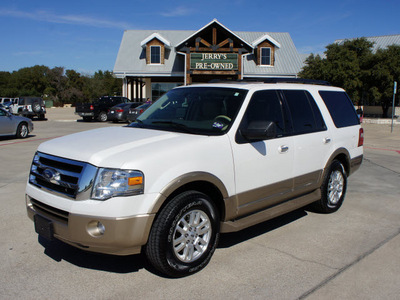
119 113
99 108
32 107
137 111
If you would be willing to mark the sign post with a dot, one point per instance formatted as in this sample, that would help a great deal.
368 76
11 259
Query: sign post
394 97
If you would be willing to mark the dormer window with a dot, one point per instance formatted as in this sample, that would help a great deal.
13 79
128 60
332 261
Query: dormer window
265 56
155 54
156 47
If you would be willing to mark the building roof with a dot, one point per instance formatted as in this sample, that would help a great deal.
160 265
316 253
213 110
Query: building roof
380 42
131 58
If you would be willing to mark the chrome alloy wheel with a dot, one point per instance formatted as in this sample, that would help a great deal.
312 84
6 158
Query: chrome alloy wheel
24 131
192 236
335 187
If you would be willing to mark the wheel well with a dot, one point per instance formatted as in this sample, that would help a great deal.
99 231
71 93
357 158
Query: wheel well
204 187
344 161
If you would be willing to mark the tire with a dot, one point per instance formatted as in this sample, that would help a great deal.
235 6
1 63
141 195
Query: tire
41 117
333 189
174 248
102 117
36 107
22 131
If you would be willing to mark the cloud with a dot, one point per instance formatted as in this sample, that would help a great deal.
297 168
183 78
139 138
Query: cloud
177 12
46 16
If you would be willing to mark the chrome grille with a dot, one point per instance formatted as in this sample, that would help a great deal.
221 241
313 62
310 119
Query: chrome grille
65 177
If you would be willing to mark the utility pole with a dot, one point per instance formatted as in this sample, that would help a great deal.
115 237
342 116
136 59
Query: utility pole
394 97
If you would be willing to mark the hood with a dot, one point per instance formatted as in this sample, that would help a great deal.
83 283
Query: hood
113 146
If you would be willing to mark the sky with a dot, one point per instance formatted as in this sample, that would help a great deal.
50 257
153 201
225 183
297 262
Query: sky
85 35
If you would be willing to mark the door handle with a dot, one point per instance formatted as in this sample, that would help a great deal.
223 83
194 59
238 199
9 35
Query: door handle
327 140
283 149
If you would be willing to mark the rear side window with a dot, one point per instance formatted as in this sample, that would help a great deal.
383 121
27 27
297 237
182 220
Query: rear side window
340 108
306 116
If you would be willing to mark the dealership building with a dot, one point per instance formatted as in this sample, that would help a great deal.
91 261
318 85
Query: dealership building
151 62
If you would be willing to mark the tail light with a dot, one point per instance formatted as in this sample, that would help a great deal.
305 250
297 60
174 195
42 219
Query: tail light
361 137
140 111
119 110
91 107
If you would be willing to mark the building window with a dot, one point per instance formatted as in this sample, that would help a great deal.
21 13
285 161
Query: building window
159 89
265 56
155 54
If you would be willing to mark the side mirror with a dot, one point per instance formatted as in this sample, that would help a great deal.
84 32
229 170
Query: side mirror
259 130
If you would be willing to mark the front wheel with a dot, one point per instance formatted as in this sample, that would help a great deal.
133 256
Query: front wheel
333 189
22 131
184 235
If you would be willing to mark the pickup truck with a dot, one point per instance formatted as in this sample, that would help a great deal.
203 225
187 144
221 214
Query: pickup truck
99 108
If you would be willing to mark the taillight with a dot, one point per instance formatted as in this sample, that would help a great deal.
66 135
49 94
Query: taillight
119 110
91 107
361 137
140 111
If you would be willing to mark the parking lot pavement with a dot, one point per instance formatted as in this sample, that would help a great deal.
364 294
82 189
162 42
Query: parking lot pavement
351 254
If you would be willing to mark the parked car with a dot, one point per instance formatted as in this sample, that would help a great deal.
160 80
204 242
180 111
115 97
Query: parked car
29 107
14 125
203 160
119 112
133 113
98 109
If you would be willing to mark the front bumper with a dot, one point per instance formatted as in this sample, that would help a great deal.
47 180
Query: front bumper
122 236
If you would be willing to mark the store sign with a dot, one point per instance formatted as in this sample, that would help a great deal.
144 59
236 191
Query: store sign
214 61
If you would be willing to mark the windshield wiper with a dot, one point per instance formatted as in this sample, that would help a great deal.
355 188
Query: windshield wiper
174 124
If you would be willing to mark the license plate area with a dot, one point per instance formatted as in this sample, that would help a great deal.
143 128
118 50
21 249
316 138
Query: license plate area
44 227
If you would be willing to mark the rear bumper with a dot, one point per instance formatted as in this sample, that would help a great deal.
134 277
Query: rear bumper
122 236
85 114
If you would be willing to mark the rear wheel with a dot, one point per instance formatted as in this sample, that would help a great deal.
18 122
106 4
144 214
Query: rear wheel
333 189
102 117
184 235
22 131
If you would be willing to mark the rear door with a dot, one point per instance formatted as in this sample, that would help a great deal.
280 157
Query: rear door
311 139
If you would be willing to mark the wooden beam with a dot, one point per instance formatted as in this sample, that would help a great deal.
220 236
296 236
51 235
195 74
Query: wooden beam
214 34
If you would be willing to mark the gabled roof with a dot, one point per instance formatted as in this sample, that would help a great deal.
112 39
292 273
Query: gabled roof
131 58
263 38
215 21
380 42
157 36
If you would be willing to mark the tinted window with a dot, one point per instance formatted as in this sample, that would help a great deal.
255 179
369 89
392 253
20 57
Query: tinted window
302 112
340 108
265 106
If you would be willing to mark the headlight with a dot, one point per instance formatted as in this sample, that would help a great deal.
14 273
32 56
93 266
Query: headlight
113 182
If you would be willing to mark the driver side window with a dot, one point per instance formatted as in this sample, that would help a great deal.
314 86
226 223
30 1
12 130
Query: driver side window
265 106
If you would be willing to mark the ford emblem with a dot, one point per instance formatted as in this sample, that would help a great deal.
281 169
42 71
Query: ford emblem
51 175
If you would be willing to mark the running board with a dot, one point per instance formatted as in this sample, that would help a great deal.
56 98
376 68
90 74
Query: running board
270 213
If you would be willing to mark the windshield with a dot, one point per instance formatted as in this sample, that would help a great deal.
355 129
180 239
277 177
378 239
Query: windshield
198 110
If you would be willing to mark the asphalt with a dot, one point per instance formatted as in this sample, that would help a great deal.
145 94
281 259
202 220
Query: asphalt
351 254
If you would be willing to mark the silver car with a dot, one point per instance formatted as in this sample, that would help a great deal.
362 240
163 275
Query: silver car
14 125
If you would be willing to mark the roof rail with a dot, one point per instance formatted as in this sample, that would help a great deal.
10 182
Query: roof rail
273 80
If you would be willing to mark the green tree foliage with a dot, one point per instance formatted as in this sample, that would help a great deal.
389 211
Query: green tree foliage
57 84
366 76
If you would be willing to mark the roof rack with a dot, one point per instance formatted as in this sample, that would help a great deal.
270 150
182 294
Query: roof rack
274 80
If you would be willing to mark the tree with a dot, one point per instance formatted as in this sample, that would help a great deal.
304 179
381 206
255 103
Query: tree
344 65
385 69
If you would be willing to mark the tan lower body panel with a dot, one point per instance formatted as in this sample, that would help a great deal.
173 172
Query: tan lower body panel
271 212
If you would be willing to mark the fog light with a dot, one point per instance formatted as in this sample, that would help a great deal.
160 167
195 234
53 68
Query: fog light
96 228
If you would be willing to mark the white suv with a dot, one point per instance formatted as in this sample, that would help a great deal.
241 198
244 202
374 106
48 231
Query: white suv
203 160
